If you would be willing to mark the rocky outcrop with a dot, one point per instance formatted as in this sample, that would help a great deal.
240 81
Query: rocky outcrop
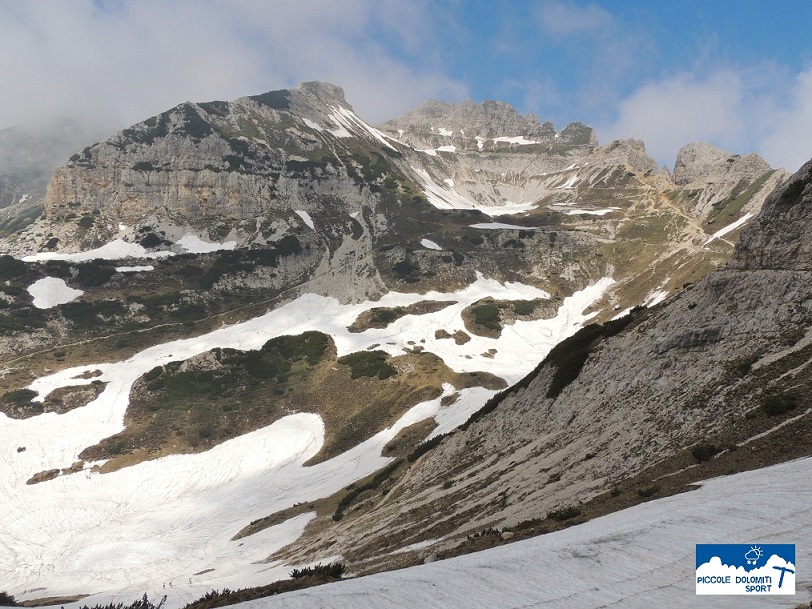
779 237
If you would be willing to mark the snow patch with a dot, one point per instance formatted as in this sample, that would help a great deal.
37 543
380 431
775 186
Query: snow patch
350 122
501 226
115 250
591 212
305 217
447 149
729 228
569 184
312 125
444 131
195 245
430 244
135 269
97 532
50 292
517 139
444 197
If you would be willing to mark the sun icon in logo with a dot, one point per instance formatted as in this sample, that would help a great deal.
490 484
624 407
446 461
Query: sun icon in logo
753 554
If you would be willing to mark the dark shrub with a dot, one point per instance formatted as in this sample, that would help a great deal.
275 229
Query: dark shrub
564 513
704 452
368 363
334 570
778 403
19 396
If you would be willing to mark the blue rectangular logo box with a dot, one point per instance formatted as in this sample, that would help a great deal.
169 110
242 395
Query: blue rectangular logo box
748 569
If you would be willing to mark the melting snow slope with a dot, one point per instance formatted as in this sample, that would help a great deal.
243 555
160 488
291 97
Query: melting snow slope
638 558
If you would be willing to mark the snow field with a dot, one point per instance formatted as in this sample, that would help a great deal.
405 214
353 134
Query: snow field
115 250
445 197
502 225
125 532
195 245
350 122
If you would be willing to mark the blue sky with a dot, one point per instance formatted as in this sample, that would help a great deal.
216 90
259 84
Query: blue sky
734 74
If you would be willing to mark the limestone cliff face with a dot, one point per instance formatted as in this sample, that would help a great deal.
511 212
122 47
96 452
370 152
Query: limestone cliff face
232 160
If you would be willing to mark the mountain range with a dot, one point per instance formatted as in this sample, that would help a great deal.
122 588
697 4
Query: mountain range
249 336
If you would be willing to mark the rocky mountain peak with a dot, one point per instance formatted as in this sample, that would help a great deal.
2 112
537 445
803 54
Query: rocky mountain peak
695 161
715 179
704 162
579 134
779 237
630 152
489 119
324 92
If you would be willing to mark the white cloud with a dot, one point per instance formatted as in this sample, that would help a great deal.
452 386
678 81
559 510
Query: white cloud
128 60
756 110
789 142
672 112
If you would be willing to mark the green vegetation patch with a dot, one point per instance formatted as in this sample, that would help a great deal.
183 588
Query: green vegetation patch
89 314
94 273
217 396
368 363
654 229
565 513
726 211
705 451
779 402
381 317
21 319
487 314
11 268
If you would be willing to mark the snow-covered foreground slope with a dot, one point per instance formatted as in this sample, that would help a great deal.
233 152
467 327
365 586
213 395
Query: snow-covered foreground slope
172 519
642 557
